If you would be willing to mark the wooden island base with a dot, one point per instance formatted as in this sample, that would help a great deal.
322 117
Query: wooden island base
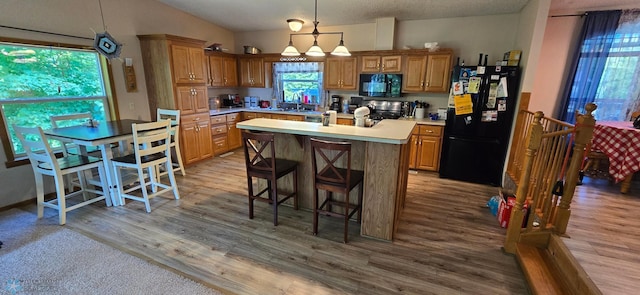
385 180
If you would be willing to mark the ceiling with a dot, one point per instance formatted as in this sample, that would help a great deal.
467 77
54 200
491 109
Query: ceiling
259 15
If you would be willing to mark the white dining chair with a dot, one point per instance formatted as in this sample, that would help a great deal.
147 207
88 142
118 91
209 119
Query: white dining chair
44 162
68 148
174 116
150 150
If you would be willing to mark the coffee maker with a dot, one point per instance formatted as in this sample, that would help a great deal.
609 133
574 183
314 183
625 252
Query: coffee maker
335 102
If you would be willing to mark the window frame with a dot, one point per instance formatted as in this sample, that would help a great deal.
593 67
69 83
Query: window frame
109 89
317 81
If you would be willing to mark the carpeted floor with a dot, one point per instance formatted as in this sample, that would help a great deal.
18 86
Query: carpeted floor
39 257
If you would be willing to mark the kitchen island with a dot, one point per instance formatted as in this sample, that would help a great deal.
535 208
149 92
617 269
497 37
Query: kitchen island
380 151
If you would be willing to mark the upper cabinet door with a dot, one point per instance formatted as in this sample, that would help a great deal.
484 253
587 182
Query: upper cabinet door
349 73
413 80
198 65
341 73
252 72
230 73
370 64
181 67
438 73
215 71
188 64
391 64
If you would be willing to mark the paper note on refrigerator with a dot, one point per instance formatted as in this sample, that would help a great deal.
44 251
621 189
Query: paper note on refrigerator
493 92
457 88
474 85
502 88
463 104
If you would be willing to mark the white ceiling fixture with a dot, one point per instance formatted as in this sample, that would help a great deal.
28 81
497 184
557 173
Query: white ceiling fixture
314 50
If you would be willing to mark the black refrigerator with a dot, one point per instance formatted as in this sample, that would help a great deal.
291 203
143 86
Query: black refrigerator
476 137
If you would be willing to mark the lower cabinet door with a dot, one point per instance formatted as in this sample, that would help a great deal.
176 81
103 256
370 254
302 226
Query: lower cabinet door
428 153
234 137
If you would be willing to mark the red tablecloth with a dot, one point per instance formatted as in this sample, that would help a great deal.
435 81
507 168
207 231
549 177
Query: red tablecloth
621 143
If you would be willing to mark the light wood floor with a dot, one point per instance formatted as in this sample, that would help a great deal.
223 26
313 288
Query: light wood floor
447 241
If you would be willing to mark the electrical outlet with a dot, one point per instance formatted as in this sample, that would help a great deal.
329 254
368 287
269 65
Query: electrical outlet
131 106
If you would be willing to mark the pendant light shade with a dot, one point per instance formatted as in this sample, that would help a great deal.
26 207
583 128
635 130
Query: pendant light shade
290 50
341 50
315 50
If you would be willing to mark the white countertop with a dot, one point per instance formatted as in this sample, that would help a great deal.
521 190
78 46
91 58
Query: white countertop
386 131
223 111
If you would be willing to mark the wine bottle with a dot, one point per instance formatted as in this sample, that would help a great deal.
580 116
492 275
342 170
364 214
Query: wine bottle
485 59
480 60
458 61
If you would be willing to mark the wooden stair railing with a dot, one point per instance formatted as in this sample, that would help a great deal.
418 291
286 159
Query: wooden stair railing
550 157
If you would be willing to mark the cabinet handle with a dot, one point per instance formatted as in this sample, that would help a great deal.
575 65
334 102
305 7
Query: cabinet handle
196 119
429 131
427 83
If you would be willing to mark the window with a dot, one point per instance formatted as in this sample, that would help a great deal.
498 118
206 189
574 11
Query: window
39 81
301 87
298 82
608 67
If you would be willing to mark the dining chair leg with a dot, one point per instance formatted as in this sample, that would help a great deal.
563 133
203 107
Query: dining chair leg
40 194
119 189
143 188
179 156
360 193
315 211
274 192
329 195
172 180
295 187
62 202
250 190
346 217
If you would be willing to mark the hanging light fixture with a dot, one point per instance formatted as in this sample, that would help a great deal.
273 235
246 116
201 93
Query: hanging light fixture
315 50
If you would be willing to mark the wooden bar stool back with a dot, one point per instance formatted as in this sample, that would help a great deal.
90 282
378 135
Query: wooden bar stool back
261 162
332 179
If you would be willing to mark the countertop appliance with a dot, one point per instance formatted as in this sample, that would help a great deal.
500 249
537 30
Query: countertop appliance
230 100
474 146
335 102
380 85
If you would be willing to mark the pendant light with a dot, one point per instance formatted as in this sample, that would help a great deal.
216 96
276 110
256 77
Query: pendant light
315 50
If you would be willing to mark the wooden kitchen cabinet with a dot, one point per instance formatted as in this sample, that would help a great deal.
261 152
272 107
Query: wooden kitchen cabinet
195 136
381 64
223 71
424 153
175 73
234 135
252 72
344 121
192 99
341 73
189 65
427 73
278 116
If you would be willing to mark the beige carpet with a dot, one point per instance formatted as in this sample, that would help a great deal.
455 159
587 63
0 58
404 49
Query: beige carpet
43 258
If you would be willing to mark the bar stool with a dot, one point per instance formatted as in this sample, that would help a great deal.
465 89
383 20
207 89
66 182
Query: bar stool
334 180
261 162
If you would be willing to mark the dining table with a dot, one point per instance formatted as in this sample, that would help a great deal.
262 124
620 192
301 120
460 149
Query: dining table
620 141
102 136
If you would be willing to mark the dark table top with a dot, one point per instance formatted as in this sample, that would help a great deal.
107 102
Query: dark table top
104 130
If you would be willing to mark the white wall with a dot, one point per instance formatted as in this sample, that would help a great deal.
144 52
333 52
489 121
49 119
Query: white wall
560 38
124 20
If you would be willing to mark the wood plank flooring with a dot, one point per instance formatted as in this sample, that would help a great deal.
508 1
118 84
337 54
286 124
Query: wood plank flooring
447 241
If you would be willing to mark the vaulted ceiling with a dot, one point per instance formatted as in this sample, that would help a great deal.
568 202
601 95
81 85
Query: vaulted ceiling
257 15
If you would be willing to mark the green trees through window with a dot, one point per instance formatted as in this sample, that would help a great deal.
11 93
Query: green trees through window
39 81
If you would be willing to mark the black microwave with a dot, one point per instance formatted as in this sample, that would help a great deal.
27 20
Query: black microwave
380 85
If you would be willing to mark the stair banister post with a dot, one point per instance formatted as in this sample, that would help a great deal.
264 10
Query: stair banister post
584 133
534 139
